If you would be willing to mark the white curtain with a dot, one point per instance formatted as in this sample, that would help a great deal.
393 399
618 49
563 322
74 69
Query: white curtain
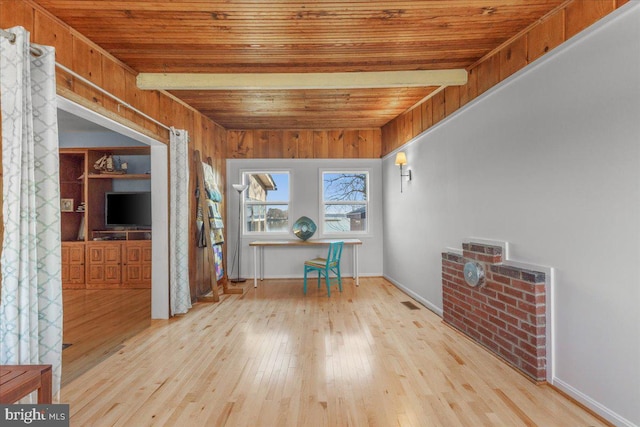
31 295
180 295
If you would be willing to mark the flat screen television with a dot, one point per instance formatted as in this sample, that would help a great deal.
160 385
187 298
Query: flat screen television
127 210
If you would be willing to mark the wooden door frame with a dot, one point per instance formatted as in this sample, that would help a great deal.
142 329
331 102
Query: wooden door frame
159 202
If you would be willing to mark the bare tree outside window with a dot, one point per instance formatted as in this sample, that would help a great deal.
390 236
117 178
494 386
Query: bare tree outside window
345 201
345 186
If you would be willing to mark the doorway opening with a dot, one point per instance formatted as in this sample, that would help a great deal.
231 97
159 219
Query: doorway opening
97 322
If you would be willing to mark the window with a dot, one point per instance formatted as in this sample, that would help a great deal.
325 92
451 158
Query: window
345 201
266 202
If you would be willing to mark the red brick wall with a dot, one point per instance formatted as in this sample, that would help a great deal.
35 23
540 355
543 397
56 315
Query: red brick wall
505 313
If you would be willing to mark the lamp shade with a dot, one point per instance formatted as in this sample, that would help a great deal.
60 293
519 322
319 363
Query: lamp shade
240 187
401 158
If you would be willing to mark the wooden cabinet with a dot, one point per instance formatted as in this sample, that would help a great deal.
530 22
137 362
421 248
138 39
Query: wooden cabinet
120 258
118 264
104 264
73 271
83 188
136 267
73 192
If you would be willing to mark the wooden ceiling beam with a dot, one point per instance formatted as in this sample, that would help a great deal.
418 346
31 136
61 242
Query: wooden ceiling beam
295 81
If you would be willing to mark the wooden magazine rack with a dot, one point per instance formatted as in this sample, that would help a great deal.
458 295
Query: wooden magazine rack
213 281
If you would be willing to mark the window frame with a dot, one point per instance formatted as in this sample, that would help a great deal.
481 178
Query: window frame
244 178
322 204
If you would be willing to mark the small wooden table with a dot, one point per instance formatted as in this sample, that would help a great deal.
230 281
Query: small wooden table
17 381
354 243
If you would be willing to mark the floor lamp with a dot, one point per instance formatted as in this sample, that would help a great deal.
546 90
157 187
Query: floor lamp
240 188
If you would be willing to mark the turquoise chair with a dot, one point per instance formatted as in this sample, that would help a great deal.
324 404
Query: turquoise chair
324 266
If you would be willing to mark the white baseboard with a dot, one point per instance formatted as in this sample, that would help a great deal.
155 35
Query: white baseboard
592 404
416 297
300 276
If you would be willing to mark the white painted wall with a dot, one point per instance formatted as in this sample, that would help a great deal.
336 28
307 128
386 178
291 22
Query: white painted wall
305 199
107 138
549 161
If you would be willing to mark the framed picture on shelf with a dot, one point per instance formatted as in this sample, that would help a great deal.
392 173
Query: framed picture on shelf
66 205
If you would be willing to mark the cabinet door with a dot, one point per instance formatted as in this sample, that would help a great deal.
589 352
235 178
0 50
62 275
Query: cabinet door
73 266
103 264
137 264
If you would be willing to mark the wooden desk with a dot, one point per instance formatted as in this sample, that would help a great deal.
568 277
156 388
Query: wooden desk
261 244
17 381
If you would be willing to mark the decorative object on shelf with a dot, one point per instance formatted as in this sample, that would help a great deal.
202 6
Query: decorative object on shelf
401 160
240 188
304 228
473 273
81 229
105 164
66 205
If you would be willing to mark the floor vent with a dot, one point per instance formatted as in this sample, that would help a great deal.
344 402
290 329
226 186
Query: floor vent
410 305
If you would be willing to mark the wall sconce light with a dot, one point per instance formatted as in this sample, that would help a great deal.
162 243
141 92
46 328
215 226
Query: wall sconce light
401 160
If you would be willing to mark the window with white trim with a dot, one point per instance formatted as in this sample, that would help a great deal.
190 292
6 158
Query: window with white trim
345 202
266 202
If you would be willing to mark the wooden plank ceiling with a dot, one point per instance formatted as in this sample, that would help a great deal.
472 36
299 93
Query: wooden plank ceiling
205 36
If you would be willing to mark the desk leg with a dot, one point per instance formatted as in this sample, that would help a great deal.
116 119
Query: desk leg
355 264
261 263
255 266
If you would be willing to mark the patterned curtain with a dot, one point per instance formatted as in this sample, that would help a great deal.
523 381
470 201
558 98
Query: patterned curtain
31 295
180 294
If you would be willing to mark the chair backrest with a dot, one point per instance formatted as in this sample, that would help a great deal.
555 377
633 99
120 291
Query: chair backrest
335 252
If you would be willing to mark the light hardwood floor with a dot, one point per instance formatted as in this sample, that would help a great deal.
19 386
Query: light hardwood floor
273 357
97 322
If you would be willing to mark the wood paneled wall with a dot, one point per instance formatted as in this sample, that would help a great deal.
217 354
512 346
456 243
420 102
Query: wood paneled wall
540 38
76 52
79 54
304 144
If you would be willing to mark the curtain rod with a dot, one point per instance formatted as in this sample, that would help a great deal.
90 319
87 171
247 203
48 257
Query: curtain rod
37 52
112 96
12 39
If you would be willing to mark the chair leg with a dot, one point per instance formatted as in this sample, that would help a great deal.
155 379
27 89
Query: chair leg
328 281
304 288
339 278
